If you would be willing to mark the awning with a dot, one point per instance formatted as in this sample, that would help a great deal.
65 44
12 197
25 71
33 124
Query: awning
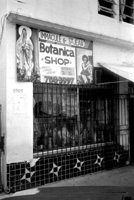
126 70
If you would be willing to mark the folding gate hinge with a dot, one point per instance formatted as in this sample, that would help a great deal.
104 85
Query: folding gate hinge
2 143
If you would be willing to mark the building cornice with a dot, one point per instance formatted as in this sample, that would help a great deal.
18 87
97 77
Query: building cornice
21 19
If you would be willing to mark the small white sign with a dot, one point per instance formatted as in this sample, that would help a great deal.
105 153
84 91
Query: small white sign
55 38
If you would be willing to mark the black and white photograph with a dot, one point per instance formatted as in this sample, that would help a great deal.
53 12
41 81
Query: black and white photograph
67 99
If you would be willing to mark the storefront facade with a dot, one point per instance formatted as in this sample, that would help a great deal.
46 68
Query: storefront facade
65 101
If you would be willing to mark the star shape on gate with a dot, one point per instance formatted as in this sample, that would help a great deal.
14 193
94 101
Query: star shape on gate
117 157
28 175
55 169
78 164
98 160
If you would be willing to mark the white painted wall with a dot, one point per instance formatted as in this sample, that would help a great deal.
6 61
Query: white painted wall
77 14
3 83
3 64
17 108
19 111
112 54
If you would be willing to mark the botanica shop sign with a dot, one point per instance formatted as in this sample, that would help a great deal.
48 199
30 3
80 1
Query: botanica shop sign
57 63
52 58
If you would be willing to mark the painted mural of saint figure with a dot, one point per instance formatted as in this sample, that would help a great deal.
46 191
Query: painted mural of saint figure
24 51
87 68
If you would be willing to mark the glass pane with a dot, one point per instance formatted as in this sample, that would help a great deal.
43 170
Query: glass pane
106 8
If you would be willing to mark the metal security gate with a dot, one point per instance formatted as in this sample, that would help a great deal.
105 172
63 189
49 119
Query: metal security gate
131 121
122 127
131 116
68 118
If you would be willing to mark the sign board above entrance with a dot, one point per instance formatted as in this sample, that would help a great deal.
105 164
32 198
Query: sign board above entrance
47 57
57 63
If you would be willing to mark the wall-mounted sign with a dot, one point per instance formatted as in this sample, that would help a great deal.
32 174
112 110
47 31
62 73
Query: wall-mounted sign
55 38
51 58
57 63
64 60
84 66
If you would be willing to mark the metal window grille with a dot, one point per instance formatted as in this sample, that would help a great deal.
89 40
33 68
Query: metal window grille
106 7
127 11
68 118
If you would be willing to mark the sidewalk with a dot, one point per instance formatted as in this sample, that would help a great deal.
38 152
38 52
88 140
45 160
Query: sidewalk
106 185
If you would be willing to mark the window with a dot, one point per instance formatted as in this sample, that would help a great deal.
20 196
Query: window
68 117
106 7
127 11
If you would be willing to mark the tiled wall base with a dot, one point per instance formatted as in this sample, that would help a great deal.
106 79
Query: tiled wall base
44 170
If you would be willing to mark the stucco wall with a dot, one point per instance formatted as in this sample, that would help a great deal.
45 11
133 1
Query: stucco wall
77 14
112 54
3 63
3 82
19 128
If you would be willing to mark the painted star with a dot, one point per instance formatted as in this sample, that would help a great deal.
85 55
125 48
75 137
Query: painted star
28 175
117 157
55 169
78 164
99 160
